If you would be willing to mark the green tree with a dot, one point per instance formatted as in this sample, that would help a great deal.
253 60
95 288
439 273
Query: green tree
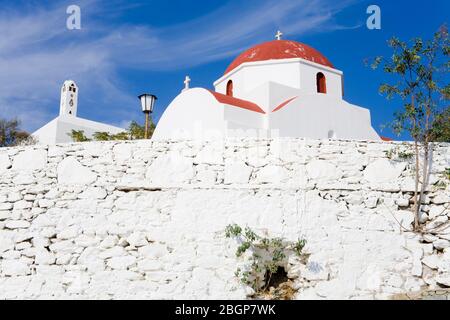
11 134
121 136
420 69
136 131
78 136
441 127
102 136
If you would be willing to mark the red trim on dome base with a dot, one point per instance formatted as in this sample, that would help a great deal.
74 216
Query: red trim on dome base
279 49
386 138
284 104
244 104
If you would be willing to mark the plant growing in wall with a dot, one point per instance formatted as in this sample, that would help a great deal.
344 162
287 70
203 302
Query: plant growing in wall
264 263
402 153
447 173
419 70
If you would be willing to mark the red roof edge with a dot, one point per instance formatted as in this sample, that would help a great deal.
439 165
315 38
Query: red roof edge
244 104
386 138
284 104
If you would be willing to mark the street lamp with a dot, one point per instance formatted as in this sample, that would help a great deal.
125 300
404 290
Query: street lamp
147 104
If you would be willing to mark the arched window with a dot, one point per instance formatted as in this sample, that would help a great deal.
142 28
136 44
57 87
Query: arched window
230 88
321 83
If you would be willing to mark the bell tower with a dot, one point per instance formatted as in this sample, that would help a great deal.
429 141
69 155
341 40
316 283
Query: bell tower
69 99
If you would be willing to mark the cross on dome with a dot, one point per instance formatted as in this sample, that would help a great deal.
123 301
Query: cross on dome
186 82
279 35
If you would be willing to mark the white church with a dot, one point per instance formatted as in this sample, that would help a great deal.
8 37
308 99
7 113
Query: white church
58 130
279 88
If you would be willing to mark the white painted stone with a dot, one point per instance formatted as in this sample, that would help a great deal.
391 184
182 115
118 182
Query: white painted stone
395 281
44 203
22 204
94 193
210 154
405 218
6 243
271 174
429 238
123 152
414 285
5 163
137 239
24 178
153 251
150 265
14 196
6 206
109 242
170 169
382 171
30 160
437 223
431 261
17 224
121 263
4 215
72 172
236 171
436 211
44 257
86 241
424 217
402 202
441 199
371 202
113 252
14 268
68 233
443 280
66 246
323 170
42 221
314 271
441 244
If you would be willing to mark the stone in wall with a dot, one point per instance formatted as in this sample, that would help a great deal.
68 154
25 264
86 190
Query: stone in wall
72 172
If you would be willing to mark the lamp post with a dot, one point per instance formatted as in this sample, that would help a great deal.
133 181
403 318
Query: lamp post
147 104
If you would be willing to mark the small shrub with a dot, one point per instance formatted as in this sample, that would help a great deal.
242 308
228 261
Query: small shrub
267 256
404 155
400 154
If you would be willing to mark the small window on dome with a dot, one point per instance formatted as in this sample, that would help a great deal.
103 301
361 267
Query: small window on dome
321 83
230 88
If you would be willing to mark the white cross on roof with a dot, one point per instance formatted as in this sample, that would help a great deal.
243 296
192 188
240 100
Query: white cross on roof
187 81
278 35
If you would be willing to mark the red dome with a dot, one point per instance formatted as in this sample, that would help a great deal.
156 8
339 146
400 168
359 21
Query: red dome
279 49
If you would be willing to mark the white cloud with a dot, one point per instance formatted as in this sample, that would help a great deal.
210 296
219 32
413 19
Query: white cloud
37 52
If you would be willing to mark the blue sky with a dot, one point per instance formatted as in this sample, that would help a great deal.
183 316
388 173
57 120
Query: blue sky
128 47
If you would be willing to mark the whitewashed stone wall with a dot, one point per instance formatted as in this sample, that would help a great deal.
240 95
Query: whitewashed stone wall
146 219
